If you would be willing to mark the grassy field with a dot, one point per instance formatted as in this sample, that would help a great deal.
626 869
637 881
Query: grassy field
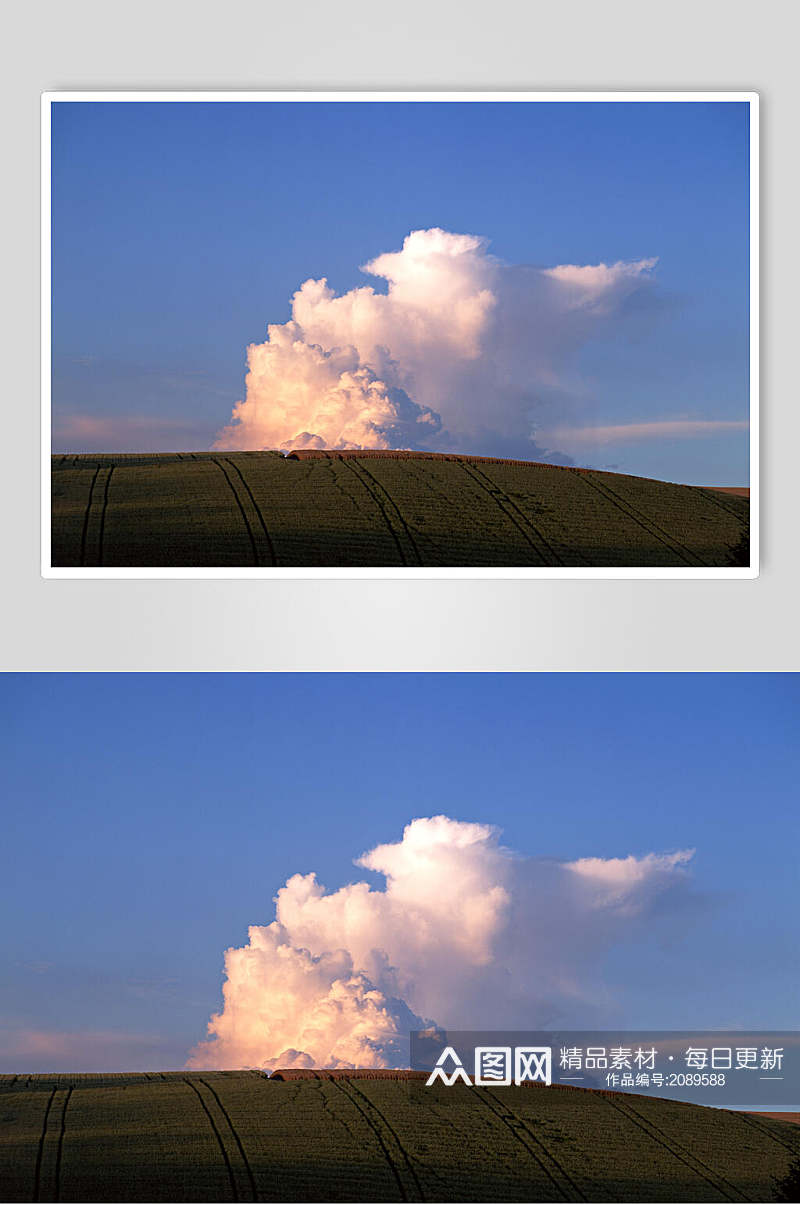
238 1136
246 509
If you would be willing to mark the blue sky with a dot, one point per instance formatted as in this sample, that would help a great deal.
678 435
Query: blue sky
181 230
152 818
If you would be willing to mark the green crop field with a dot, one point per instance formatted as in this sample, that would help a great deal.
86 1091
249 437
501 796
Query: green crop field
238 1136
247 509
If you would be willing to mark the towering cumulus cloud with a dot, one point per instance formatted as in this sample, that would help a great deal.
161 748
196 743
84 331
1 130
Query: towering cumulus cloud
464 933
456 355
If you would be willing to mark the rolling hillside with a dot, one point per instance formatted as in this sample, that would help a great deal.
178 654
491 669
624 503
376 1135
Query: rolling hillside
238 1136
251 509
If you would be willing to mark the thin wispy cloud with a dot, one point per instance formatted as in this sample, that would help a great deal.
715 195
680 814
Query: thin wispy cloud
636 432
29 1048
123 433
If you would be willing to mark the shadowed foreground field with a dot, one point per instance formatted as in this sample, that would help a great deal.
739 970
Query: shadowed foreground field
246 509
238 1136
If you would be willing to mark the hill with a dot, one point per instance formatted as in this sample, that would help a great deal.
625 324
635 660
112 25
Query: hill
238 1136
342 509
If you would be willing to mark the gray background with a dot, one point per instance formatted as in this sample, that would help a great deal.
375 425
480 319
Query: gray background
383 625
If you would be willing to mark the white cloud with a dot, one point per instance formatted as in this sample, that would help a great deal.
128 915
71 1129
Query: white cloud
464 933
454 355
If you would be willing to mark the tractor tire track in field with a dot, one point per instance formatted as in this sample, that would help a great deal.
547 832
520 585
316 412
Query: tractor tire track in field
383 490
718 1182
380 505
94 517
242 511
257 509
393 1133
86 514
377 492
218 1137
103 516
60 1148
749 1120
236 1139
744 523
37 1174
711 495
219 1124
558 1177
524 526
400 1180
47 1172
627 508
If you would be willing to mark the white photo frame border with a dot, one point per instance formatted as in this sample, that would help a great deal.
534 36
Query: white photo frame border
49 98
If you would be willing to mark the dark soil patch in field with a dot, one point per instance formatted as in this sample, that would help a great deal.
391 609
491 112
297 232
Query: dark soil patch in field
738 491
